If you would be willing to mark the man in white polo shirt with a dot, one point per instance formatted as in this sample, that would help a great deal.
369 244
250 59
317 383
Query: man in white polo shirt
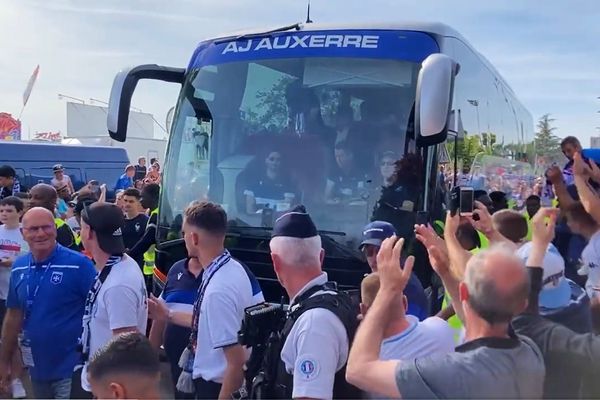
116 303
214 358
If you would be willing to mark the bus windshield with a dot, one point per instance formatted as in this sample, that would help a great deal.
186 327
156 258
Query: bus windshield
260 136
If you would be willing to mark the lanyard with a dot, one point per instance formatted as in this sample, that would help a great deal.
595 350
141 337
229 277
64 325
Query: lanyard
210 272
92 297
32 294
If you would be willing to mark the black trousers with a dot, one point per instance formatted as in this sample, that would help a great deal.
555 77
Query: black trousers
206 389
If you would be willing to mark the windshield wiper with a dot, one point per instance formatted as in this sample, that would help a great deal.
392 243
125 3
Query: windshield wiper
268 228
341 249
295 26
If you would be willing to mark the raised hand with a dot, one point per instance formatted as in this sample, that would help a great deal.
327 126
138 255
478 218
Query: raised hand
483 223
392 276
580 167
554 175
543 225
595 171
436 248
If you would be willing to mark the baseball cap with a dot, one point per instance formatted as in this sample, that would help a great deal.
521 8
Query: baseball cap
376 232
57 168
106 220
295 223
556 291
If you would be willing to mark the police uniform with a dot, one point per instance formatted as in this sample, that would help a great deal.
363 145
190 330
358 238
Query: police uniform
314 343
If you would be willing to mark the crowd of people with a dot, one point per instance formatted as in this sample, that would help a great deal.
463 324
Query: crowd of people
520 318
57 247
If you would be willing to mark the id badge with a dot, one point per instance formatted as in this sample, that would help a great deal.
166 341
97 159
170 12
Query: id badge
26 354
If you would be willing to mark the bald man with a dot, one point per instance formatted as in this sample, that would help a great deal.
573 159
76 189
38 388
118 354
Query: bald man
46 298
492 362
45 196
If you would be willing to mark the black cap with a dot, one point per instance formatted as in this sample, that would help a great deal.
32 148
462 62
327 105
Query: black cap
295 223
57 168
106 220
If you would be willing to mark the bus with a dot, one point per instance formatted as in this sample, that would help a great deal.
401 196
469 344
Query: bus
349 121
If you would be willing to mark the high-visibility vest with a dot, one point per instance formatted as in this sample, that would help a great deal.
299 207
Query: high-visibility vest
438 227
59 222
150 254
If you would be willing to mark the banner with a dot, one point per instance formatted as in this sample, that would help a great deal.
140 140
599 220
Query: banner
10 128
30 84
47 136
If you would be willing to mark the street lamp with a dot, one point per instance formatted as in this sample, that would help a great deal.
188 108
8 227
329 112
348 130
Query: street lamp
64 96
92 100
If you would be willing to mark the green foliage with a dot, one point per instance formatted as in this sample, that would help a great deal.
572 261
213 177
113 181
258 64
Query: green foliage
546 142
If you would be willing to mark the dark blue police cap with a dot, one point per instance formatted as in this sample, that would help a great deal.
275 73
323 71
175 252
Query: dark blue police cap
295 223
376 232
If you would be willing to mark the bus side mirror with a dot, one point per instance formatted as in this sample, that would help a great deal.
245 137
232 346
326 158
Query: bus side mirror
122 91
435 89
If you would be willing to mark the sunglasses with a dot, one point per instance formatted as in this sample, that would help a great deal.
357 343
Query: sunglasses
369 250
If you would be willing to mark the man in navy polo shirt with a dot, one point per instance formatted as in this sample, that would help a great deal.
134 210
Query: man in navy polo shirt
180 292
373 235
45 303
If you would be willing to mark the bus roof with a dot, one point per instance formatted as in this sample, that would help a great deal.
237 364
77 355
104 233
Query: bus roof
434 28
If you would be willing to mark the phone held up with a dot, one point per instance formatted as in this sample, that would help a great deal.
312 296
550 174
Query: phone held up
462 200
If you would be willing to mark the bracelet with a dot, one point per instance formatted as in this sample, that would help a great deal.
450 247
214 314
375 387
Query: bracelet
170 315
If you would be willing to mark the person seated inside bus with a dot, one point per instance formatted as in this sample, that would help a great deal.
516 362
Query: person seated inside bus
271 186
304 114
387 168
347 180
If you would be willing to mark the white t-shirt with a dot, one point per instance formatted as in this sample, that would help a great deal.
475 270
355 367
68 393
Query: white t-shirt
121 303
315 349
420 339
12 245
228 293
66 180
433 336
590 258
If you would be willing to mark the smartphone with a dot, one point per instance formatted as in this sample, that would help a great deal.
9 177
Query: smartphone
422 218
466 201
454 200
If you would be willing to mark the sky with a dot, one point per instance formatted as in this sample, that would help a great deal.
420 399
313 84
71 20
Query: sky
546 50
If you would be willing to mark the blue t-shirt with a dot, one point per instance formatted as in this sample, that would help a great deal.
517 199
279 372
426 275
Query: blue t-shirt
61 207
180 292
124 182
53 322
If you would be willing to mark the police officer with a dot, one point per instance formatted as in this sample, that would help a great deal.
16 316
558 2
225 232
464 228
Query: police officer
312 347
146 245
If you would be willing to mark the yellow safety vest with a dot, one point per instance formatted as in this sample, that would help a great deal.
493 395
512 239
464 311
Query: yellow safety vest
59 222
438 227
150 255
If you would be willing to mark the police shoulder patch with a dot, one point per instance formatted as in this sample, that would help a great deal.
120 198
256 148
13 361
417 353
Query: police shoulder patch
308 368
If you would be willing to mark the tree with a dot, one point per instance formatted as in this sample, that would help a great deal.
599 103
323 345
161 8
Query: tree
546 142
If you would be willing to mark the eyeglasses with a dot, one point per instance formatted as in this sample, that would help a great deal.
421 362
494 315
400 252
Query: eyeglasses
44 228
369 251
